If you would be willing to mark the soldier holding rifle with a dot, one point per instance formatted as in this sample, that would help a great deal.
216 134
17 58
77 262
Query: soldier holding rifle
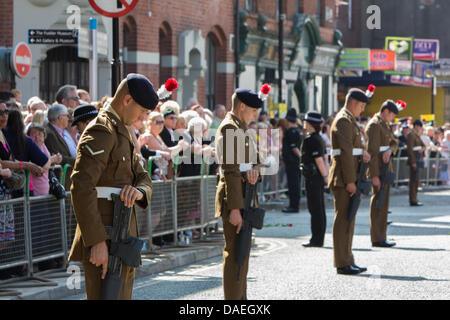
347 153
237 155
415 149
381 145
107 166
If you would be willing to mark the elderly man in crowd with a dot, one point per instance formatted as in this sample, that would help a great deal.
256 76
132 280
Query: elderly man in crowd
58 138
67 95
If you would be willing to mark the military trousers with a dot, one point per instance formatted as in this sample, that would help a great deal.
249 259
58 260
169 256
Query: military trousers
233 289
378 218
413 185
316 205
342 229
92 275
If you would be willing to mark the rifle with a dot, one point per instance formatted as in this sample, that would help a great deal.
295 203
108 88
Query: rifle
251 218
363 186
123 249
387 178
419 165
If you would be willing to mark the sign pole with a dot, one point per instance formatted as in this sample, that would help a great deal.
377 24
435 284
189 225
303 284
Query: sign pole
281 17
116 58
93 59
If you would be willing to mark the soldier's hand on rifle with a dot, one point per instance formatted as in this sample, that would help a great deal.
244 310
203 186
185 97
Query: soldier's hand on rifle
252 176
376 182
99 257
366 157
387 156
129 195
351 188
236 219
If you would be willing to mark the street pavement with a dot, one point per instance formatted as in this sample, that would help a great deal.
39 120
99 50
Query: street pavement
281 269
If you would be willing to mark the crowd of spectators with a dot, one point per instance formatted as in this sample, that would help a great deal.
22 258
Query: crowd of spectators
173 141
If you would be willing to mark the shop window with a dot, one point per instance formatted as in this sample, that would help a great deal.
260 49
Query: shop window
62 66
250 5
299 6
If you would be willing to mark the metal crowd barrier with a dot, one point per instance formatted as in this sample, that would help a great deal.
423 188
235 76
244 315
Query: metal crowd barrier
274 187
44 228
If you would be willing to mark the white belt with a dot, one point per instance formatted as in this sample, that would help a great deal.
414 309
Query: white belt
105 192
417 148
384 148
245 167
355 152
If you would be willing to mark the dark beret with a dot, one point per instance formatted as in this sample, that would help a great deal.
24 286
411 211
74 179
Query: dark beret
314 117
83 113
418 123
250 98
359 95
391 106
142 91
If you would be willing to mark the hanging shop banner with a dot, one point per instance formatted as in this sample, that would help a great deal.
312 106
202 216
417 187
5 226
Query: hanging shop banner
403 48
354 59
382 60
426 49
422 74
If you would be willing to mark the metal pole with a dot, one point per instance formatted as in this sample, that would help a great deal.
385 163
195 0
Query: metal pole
65 246
433 88
116 63
93 59
236 46
281 18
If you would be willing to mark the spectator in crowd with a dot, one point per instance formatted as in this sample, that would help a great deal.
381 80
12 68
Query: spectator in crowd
17 95
405 129
263 117
7 97
41 184
192 102
325 134
84 96
22 147
58 139
219 114
99 105
170 111
445 168
67 95
153 141
197 128
83 115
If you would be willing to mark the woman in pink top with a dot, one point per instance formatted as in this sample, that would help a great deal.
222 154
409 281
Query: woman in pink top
40 184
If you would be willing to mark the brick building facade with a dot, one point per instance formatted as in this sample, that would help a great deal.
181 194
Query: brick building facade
192 41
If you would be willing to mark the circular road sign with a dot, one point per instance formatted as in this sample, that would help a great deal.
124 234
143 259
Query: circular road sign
21 60
113 8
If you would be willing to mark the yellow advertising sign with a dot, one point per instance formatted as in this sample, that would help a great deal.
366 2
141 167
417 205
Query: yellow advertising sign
427 117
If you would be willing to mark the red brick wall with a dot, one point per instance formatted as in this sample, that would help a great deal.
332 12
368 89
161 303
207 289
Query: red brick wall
6 30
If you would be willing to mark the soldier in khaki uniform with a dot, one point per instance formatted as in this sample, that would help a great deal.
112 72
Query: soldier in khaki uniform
106 163
230 192
414 145
347 147
381 145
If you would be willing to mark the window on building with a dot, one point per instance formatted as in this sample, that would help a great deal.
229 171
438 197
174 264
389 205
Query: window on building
299 6
250 5
211 72
62 66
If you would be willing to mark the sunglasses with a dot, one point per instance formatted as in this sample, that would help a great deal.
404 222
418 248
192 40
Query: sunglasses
159 121
74 98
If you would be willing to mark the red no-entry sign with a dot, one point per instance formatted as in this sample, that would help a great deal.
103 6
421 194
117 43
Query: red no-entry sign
21 60
113 8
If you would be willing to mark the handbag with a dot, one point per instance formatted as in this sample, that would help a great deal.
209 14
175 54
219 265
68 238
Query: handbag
16 181
56 188
254 216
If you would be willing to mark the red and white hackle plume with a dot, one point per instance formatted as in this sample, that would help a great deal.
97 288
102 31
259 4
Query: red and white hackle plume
401 105
167 89
264 92
370 91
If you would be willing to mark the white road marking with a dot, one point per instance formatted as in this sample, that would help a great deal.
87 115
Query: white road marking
445 219
419 225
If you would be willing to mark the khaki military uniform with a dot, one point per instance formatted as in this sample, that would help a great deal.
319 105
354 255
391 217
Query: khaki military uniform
346 140
380 139
229 196
413 143
105 158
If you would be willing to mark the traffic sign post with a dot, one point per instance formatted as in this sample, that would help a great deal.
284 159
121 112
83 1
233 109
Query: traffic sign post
65 37
114 10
